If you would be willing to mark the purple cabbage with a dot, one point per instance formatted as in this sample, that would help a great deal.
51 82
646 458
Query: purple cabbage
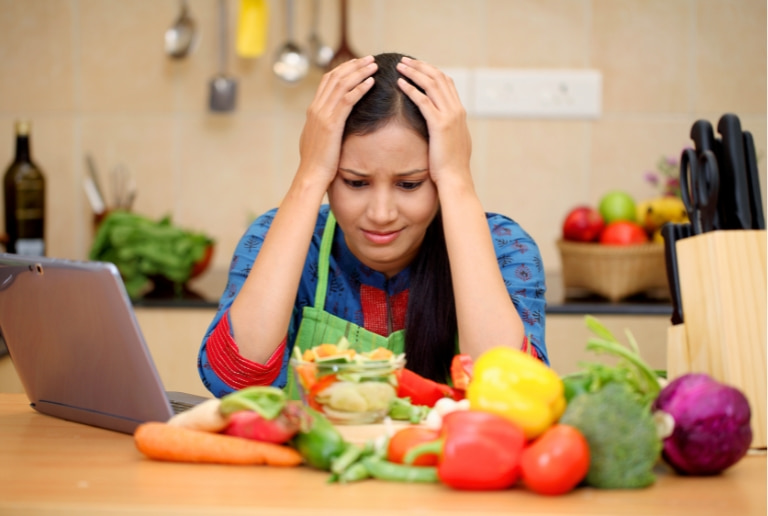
712 430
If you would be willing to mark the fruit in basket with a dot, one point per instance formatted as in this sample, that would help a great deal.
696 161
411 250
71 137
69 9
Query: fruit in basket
583 224
623 232
617 205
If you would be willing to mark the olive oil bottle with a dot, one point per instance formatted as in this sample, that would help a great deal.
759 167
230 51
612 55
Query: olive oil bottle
24 188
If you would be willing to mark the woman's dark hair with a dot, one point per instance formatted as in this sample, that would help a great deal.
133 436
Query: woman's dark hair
430 322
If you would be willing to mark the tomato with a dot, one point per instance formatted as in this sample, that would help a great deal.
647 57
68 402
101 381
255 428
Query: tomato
318 387
408 437
556 462
623 233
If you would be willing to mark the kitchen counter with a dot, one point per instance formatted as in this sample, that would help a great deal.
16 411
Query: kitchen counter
205 291
50 466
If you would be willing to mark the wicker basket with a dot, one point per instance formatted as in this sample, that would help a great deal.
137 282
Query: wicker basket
614 272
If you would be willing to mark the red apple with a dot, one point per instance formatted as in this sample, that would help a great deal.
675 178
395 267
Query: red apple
583 224
623 232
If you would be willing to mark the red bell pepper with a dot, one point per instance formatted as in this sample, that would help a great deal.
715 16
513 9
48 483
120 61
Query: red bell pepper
477 450
461 371
422 391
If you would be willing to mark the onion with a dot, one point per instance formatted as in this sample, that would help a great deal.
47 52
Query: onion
712 430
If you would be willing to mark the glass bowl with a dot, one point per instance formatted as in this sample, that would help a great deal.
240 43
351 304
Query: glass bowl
349 388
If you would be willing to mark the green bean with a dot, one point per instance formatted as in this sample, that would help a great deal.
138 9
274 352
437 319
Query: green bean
384 470
350 456
354 473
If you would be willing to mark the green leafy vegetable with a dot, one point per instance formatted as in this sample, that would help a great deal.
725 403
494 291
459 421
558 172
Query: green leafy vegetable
630 368
142 248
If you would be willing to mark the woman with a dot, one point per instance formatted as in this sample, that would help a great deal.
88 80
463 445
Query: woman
404 255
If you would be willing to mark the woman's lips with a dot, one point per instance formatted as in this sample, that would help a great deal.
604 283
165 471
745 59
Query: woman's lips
381 238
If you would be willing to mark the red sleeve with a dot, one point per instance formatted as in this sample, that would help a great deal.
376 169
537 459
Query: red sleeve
235 370
529 349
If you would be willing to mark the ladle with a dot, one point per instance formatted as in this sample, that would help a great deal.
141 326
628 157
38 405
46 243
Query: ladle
320 53
343 53
291 64
223 88
181 38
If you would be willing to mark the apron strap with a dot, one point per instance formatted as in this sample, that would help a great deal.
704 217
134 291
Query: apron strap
324 261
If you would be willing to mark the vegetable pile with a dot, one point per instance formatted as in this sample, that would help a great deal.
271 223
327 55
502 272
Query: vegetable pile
507 421
142 249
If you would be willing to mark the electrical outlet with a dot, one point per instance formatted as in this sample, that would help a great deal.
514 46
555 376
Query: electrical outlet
536 93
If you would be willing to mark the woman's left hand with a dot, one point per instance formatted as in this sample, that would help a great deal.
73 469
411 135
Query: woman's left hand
450 144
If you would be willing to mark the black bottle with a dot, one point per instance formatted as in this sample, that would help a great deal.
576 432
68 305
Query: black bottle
24 187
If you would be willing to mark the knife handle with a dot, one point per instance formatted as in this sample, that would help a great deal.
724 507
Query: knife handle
734 186
753 176
703 137
669 232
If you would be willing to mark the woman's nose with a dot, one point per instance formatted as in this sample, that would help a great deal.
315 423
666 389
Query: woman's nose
382 208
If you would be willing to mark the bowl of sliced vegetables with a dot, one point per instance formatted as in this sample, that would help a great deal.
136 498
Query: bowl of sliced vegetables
350 387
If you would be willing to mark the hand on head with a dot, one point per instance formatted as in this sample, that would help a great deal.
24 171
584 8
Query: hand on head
338 92
450 144
341 89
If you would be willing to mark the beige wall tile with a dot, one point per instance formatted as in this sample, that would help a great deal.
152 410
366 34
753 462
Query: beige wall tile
36 56
624 149
224 175
730 56
642 48
444 32
145 146
122 63
536 33
535 171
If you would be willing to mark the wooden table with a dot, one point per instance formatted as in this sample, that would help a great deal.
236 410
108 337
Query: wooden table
53 466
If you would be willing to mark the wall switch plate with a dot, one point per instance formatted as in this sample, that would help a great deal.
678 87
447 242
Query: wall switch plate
536 93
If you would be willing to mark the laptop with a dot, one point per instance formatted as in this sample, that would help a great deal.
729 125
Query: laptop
71 332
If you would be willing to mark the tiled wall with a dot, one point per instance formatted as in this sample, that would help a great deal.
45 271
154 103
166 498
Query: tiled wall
92 76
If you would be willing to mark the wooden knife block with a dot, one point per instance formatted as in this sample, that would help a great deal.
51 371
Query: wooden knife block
723 290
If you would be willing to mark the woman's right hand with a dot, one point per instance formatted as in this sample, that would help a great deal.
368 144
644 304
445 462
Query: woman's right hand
339 90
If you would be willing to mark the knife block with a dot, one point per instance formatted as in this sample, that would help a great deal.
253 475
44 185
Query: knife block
723 291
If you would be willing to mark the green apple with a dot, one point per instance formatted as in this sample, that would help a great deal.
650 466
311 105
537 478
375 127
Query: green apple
618 205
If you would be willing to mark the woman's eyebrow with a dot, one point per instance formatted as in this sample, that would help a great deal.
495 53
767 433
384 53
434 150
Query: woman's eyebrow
399 174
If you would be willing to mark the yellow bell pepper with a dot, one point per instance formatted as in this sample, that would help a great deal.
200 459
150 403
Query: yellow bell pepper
513 384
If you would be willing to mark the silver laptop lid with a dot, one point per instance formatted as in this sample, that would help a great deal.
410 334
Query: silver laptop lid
74 341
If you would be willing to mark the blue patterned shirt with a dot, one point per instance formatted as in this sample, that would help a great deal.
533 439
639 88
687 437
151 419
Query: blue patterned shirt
517 255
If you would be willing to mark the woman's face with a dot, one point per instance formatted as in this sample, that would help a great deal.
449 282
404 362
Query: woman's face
383 197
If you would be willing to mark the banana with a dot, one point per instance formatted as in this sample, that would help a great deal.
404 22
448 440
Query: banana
654 213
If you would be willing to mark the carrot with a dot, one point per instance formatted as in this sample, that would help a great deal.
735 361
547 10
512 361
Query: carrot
380 353
161 441
326 350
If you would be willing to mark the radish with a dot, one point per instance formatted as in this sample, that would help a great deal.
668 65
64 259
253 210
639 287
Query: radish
252 425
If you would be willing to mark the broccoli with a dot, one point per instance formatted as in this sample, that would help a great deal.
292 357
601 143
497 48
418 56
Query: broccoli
622 437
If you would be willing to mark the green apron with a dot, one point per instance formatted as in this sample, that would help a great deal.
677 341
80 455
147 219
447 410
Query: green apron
320 327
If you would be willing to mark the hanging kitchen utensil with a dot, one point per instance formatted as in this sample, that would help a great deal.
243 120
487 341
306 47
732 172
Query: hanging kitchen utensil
344 52
182 37
291 63
223 89
320 53
252 23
